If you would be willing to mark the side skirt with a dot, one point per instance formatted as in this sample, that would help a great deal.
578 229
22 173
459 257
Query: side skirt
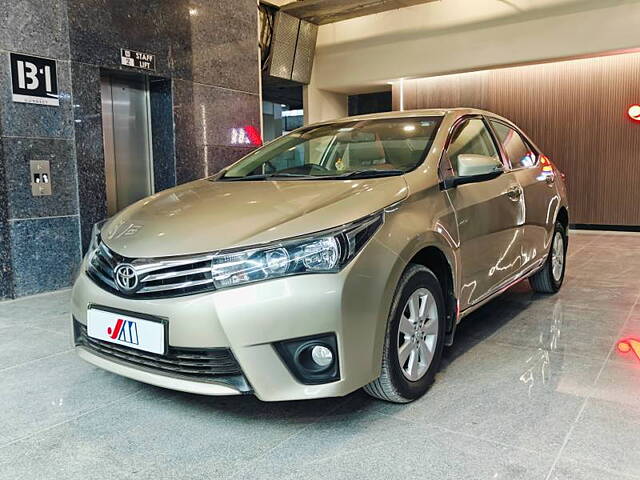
501 289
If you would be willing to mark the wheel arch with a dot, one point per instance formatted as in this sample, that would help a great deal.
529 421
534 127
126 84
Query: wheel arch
434 258
563 217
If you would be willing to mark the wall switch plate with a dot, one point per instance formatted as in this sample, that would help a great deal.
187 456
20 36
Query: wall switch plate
40 177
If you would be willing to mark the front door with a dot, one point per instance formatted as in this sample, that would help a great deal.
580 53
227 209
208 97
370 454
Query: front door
489 215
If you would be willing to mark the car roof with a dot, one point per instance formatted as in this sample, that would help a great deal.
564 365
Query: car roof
458 111
426 112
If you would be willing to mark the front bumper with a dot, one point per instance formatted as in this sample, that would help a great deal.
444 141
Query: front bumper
148 376
352 304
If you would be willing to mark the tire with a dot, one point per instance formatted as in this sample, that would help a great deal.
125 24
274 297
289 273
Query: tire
403 384
547 280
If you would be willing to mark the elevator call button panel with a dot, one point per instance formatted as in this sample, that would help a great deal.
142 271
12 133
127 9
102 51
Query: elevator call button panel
40 178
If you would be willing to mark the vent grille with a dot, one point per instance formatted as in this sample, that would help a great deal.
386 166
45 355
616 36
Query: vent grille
292 48
305 51
285 37
157 278
198 364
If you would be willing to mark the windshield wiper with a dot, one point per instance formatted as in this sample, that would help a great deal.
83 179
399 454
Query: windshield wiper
354 174
287 174
369 174
236 179
267 176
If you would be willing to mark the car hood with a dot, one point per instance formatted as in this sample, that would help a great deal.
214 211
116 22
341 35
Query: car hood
205 216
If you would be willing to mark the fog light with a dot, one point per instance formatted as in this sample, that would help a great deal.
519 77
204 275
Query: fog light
312 360
321 355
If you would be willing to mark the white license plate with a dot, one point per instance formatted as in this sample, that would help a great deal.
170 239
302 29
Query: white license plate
126 331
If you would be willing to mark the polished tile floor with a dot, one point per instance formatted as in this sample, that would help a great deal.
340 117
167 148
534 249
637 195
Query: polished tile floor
533 389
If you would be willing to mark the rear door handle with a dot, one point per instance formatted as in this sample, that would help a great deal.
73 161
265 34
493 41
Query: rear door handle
514 193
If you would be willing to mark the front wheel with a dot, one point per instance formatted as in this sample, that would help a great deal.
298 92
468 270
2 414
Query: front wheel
550 278
414 339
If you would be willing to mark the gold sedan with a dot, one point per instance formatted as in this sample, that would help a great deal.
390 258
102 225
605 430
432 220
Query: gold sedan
340 256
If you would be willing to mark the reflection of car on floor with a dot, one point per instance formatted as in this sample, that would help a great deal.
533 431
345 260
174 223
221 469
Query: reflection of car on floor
340 256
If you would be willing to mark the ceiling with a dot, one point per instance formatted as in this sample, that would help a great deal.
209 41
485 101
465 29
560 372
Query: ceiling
363 54
322 12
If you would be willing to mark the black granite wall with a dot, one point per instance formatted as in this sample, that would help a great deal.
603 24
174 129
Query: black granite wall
163 140
41 234
6 279
205 85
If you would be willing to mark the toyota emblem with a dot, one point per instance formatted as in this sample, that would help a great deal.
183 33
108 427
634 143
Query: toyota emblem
126 278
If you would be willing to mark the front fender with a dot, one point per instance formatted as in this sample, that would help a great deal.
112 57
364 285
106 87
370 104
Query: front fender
405 241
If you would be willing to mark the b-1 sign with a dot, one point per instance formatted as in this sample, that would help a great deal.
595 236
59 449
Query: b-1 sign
34 80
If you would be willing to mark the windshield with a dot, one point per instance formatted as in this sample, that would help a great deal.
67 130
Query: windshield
358 148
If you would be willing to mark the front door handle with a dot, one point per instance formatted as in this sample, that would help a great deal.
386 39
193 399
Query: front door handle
514 193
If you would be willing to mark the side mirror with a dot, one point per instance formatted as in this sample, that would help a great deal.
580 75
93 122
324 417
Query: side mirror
473 168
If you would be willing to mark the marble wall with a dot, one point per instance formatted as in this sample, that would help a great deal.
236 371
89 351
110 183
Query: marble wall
216 88
40 239
205 85
162 137
6 277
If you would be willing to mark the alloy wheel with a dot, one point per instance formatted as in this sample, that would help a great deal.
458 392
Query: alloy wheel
417 334
557 257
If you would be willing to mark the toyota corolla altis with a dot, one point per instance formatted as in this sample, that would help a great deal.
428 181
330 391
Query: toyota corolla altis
340 256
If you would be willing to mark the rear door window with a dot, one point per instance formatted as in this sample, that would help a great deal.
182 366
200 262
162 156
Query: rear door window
518 152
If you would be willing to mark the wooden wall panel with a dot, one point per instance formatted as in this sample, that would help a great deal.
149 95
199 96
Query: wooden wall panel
576 111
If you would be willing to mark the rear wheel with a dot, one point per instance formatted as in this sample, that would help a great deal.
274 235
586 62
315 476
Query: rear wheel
414 339
550 278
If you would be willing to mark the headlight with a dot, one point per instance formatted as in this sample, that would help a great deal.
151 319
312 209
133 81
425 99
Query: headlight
323 252
95 236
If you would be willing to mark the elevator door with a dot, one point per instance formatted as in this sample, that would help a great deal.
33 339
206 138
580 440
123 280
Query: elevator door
127 140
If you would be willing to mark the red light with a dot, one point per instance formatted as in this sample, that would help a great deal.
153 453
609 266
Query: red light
546 164
634 113
627 345
254 135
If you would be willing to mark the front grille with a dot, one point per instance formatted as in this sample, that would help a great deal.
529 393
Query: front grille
157 278
212 364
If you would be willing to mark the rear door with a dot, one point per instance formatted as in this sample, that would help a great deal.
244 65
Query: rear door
540 196
489 216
